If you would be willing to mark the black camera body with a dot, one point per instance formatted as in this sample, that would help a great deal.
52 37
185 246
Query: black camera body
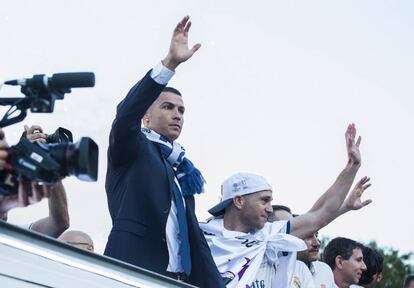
47 163
60 135
59 157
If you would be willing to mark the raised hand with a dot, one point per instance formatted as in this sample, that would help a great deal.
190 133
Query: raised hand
353 201
179 51
352 146
35 133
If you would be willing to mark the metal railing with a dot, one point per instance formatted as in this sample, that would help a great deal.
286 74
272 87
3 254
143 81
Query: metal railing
30 259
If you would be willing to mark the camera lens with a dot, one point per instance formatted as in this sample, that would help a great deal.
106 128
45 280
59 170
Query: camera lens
79 159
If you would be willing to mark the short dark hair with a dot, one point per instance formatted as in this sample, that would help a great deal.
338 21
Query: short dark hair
408 281
374 262
272 217
340 246
281 207
172 90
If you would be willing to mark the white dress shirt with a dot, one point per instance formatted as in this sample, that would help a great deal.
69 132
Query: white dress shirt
162 75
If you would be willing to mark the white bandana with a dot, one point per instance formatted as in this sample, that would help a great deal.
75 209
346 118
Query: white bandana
239 257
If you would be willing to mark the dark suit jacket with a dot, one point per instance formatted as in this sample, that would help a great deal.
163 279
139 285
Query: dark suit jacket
138 186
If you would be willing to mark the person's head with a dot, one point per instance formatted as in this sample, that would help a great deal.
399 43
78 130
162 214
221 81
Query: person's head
312 252
409 282
78 239
166 115
280 212
374 262
245 203
346 260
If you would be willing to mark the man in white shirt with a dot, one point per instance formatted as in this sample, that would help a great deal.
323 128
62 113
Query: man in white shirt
321 273
301 276
245 207
374 261
346 260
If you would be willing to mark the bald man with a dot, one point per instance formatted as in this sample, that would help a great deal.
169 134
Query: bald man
78 239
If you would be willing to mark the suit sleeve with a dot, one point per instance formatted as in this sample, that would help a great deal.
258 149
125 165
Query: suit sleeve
125 136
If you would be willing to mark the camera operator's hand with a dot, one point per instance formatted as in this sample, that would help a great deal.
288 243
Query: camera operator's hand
35 133
3 152
28 193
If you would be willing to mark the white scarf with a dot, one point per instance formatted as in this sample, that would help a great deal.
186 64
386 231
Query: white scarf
177 152
190 178
240 257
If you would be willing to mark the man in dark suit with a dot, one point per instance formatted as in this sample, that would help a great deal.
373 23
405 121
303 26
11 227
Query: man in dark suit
150 184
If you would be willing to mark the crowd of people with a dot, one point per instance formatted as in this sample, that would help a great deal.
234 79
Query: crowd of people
151 185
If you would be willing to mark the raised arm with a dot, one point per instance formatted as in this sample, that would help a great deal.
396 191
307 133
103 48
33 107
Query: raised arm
124 138
58 220
326 207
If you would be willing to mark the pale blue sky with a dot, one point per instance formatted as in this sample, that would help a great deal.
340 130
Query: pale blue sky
271 91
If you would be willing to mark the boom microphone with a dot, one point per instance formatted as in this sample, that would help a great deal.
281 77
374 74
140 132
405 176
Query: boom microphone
57 81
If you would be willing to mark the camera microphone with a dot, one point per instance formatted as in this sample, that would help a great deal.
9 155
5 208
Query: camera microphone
57 81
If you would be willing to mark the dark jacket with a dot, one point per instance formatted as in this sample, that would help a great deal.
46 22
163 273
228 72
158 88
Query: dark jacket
138 186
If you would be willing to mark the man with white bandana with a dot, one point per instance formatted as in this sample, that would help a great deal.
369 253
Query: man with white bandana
246 248
150 184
